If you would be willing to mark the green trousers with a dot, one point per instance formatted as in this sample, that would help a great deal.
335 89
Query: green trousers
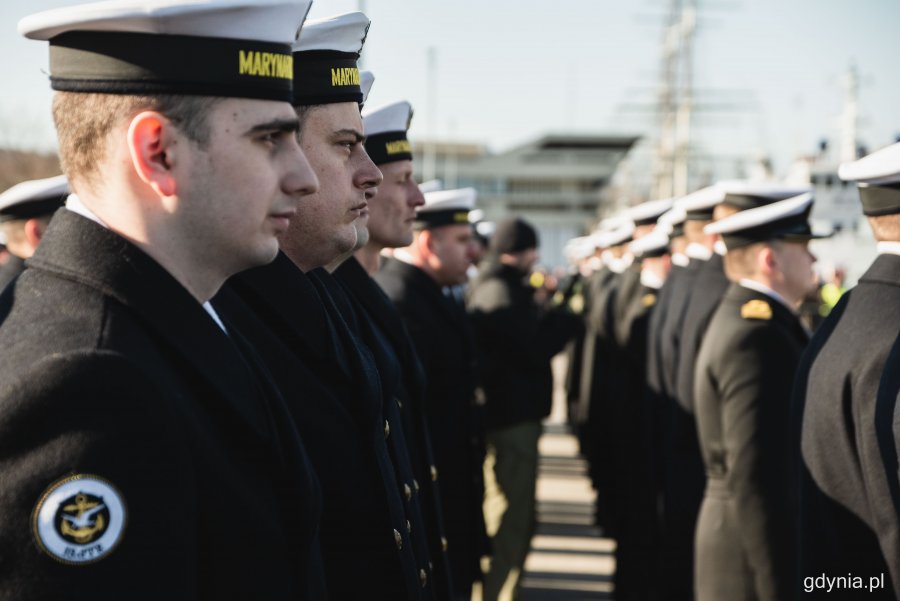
509 506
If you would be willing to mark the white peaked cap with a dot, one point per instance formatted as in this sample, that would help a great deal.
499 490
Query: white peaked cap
649 210
654 241
701 200
432 185
879 168
276 21
442 200
760 216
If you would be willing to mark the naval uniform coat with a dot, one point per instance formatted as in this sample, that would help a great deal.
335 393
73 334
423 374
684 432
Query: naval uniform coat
848 470
443 342
709 288
745 374
10 271
403 394
333 391
112 369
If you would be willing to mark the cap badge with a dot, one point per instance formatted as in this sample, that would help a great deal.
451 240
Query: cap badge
756 309
79 519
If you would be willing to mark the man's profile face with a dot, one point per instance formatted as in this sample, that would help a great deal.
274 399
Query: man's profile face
242 188
328 223
795 263
452 245
392 210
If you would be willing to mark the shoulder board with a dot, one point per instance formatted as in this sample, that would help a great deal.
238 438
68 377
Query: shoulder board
648 300
756 309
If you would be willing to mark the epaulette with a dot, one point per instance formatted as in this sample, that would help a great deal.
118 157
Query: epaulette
648 300
756 309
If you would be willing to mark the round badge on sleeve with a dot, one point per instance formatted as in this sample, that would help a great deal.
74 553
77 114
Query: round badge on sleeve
79 519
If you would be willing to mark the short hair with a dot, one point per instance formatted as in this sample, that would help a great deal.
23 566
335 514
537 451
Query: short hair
83 122
741 262
886 228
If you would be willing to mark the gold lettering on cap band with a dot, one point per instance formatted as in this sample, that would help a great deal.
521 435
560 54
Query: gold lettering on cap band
461 217
266 64
345 76
398 146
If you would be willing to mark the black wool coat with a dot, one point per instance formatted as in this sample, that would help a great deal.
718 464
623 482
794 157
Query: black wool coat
332 388
844 419
112 369
386 335
443 343
10 271
745 374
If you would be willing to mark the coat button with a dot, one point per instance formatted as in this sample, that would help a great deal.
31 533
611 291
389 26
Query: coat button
408 527
433 473
407 492
387 429
398 538
444 544
423 577
399 404
416 484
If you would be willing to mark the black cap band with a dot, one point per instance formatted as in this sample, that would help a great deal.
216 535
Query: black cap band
705 214
388 147
432 219
326 77
141 63
880 200
646 220
750 201
677 230
32 208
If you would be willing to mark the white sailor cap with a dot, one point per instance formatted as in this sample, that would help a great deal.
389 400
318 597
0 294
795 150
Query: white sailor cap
878 177
325 57
654 244
432 185
235 48
611 223
699 205
672 222
745 194
385 128
784 219
33 198
366 79
648 212
446 207
621 235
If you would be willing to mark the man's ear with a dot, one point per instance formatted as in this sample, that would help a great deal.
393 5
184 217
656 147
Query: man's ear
151 138
426 241
766 260
34 231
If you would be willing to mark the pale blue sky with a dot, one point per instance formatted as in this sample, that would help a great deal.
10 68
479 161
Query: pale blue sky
510 70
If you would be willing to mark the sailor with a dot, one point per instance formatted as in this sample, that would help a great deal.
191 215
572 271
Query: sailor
25 212
392 211
312 340
144 452
440 255
744 376
844 418
683 477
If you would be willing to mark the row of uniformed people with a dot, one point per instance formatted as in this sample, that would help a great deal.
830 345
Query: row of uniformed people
204 394
691 450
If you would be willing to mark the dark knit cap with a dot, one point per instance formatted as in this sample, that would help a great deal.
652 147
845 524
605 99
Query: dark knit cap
513 235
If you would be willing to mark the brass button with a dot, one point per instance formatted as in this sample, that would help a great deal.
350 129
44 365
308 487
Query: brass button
416 484
387 429
398 538
399 404
423 577
430 567
433 474
408 527
407 492
444 544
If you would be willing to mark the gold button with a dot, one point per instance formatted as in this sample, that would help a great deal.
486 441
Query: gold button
416 484
423 577
430 567
408 526
387 429
444 544
398 538
399 404
433 474
407 492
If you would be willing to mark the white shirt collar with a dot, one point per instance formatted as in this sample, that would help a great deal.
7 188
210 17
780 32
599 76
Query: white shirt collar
651 279
680 259
74 204
888 248
762 288
619 265
698 251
